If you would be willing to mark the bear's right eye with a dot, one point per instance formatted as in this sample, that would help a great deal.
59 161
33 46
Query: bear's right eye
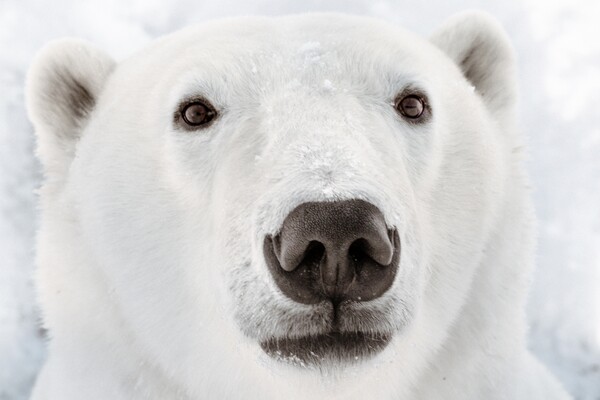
197 113
411 106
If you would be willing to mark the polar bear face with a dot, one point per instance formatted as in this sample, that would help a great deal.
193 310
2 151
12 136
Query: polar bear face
306 194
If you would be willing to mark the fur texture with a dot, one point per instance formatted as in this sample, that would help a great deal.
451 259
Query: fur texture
151 274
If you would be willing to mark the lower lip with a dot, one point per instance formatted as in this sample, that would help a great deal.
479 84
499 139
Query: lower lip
334 347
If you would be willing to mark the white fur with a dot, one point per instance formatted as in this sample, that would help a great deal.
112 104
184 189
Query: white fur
151 275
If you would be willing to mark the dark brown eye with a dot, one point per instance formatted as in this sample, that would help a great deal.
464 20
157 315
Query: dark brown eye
197 113
411 106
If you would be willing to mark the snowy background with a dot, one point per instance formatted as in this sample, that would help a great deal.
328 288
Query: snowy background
558 44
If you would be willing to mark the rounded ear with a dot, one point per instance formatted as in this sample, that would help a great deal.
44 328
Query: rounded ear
63 85
477 43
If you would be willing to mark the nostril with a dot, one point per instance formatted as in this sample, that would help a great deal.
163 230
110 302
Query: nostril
314 254
358 251
292 255
379 250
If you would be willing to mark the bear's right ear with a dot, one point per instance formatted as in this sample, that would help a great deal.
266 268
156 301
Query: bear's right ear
63 85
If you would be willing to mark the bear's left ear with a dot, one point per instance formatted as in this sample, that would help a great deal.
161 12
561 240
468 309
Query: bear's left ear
476 42
63 86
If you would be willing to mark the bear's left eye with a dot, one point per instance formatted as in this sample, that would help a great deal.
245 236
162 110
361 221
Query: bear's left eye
411 106
197 113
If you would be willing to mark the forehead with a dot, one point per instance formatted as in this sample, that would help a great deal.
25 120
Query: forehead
265 53
293 38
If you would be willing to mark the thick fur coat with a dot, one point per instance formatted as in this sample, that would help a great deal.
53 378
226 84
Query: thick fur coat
151 274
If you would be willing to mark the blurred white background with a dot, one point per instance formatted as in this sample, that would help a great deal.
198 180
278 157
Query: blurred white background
558 45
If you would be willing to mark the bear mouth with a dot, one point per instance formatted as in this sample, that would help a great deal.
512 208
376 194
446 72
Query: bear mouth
332 348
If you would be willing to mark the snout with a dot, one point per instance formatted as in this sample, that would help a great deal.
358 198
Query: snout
341 250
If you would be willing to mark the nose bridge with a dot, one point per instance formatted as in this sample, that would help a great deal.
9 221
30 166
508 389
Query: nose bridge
331 153
324 149
317 127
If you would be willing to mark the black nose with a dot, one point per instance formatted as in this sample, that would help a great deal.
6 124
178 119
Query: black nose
333 250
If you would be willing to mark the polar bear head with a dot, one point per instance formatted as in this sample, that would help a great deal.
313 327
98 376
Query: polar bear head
259 200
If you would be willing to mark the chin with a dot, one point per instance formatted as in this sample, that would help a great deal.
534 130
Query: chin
332 348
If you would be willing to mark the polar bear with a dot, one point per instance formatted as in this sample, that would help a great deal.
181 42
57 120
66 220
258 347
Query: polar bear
318 206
